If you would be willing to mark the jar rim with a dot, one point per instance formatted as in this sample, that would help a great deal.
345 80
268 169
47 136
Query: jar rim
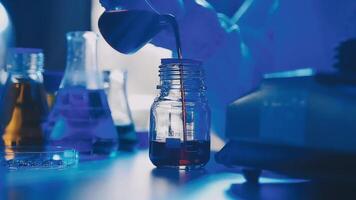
168 61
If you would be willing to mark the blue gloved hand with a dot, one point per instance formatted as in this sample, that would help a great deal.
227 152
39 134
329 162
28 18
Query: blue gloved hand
200 30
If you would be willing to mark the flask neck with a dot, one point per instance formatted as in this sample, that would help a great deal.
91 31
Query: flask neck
181 75
82 69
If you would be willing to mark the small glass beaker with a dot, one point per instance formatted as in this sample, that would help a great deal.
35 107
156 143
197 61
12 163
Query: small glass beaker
23 106
180 117
120 110
81 117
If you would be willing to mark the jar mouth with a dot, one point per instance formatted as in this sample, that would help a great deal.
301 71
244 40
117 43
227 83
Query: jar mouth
177 61
181 73
176 69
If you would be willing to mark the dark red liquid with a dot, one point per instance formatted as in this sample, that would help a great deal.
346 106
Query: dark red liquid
190 154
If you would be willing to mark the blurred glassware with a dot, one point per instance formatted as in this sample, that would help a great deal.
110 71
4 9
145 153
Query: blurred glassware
120 110
50 157
106 80
6 39
5 33
23 106
51 81
81 117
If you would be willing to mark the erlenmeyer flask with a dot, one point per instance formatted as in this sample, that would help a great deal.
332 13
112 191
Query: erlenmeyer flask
81 117
120 109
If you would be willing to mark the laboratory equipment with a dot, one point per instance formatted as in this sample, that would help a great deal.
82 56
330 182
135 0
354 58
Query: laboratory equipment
106 81
23 106
127 31
136 28
81 117
51 82
299 123
173 141
6 34
120 110
34 157
6 40
199 40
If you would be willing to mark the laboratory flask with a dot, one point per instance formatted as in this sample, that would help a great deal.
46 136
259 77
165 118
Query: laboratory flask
179 124
23 107
120 110
81 117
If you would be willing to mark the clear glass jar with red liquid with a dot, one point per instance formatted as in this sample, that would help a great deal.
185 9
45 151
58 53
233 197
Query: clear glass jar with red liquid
180 117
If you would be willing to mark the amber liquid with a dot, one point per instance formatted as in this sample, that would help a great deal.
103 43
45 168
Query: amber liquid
188 154
24 108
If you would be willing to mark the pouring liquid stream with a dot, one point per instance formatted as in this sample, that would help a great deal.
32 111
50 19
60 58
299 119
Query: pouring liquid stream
172 21
143 25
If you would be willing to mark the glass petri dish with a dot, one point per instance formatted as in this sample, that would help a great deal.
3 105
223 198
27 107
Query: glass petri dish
53 157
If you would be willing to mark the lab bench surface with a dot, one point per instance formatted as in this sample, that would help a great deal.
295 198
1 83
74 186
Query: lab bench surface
132 176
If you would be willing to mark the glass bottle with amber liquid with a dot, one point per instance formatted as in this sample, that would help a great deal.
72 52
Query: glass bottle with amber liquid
23 106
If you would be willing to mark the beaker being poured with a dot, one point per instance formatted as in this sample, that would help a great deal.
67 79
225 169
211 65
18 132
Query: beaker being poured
81 116
127 31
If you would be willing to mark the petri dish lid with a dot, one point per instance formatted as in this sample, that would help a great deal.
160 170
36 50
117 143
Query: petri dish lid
49 157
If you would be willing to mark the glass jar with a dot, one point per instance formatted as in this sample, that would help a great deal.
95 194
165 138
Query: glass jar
180 117
23 107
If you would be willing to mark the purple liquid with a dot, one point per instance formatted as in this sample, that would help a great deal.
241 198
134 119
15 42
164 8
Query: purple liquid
190 154
81 119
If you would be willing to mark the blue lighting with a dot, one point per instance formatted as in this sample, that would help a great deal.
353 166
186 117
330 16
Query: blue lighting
56 157
294 73
4 18
244 50
241 11
274 7
204 3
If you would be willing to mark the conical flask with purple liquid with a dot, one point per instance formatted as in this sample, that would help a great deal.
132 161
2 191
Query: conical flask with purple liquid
81 117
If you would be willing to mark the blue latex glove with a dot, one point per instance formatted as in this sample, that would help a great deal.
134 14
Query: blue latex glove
201 33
